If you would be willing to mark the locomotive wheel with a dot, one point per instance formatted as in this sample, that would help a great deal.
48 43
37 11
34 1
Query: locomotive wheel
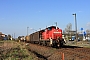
44 43
40 43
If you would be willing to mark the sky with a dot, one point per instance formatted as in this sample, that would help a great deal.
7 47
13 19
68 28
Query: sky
17 15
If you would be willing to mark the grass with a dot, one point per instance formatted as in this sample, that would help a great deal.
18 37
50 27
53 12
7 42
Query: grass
17 52
7 41
87 46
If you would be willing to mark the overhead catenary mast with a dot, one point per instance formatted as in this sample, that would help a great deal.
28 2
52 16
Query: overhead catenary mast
56 24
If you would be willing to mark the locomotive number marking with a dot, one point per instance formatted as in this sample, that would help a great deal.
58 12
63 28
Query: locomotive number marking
57 32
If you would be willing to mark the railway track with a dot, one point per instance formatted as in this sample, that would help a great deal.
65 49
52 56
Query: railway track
70 52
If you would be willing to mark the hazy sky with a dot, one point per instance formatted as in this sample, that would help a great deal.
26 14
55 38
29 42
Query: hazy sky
17 15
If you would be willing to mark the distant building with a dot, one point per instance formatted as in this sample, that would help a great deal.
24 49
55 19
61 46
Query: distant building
69 34
3 36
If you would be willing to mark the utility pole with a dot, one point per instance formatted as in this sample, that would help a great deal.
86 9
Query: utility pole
14 35
27 31
75 25
56 25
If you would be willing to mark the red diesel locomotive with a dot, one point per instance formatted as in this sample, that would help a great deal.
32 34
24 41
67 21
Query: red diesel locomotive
51 36
51 32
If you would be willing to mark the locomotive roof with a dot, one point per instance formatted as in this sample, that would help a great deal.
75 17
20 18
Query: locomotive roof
49 27
52 27
45 29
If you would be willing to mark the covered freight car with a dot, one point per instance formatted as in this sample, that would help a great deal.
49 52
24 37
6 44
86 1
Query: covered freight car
35 37
27 38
